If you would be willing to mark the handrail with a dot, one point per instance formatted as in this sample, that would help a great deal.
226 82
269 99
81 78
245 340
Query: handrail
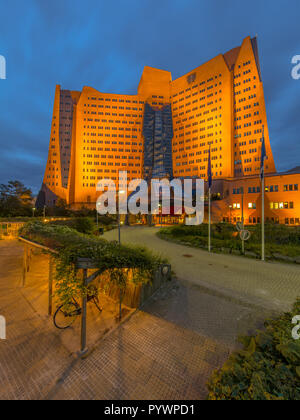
35 244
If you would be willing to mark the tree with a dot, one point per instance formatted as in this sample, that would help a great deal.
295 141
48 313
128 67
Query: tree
15 199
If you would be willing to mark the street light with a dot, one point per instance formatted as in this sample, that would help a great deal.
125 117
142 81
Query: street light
230 208
121 192
33 210
160 213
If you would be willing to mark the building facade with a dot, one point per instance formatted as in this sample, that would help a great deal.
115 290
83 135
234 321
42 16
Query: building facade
164 131
242 197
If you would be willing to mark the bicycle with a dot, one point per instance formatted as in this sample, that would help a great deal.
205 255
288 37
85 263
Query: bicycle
66 314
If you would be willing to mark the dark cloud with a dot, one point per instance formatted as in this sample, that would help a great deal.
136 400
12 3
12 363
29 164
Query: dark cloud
106 45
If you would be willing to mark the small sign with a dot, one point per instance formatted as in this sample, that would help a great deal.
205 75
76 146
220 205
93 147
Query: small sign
85 263
245 235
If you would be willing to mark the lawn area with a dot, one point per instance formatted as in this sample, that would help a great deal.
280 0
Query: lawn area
282 242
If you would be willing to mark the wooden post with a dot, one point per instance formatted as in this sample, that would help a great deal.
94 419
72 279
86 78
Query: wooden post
25 269
50 295
29 258
30 250
120 304
83 315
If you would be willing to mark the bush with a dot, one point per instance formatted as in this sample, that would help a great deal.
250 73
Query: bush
278 234
106 220
84 225
267 369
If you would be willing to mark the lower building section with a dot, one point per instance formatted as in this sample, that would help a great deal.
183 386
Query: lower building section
46 198
234 199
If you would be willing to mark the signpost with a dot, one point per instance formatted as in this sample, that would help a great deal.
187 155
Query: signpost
245 235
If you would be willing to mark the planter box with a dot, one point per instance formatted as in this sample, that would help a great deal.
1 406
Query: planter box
137 295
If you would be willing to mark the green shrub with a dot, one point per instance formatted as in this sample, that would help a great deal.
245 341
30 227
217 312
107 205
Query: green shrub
267 369
84 225
106 220
81 224
277 234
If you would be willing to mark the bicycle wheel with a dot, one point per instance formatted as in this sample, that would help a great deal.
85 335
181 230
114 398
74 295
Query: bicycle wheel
65 316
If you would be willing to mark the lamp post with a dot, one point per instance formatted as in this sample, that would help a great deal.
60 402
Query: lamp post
160 214
230 209
121 192
44 212
33 211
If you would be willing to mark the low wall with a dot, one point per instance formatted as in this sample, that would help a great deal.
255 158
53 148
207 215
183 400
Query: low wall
9 230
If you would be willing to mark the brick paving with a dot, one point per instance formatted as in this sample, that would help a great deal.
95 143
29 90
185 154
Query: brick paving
32 355
166 351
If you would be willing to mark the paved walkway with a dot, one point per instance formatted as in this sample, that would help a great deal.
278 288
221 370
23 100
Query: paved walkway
273 286
155 355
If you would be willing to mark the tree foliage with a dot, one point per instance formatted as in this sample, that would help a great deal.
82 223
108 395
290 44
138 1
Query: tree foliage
15 199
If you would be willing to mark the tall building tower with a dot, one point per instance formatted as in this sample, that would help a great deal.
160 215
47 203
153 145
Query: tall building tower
221 104
249 111
165 130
